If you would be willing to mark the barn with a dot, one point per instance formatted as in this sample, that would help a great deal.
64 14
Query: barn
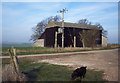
71 34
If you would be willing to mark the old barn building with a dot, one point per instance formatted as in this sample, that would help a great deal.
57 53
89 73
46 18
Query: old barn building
71 35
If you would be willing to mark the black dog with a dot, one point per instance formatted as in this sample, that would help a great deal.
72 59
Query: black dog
79 72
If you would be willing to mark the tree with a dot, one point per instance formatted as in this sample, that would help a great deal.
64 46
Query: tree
104 32
89 37
83 37
40 27
99 26
84 21
92 37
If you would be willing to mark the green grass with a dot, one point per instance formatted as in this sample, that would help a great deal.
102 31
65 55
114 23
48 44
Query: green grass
5 49
26 50
50 72
43 50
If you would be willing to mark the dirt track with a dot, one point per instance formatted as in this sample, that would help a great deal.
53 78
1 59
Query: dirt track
106 60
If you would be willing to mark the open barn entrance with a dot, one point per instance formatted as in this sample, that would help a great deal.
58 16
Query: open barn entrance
59 39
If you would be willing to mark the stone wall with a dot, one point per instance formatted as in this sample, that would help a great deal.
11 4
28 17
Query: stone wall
104 41
39 43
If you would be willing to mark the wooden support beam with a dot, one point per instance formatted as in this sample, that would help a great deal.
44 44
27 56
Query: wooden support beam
55 39
74 41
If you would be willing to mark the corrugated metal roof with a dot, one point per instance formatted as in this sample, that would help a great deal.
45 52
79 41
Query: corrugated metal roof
73 25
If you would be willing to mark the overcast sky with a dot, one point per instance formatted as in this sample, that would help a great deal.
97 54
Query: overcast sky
18 18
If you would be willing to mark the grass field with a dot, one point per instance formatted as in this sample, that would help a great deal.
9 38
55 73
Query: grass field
51 72
42 50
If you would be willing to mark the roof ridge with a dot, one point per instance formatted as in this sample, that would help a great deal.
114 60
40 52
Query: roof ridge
71 23
52 22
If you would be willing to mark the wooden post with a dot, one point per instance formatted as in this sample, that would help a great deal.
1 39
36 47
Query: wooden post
55 39
63 30
13 59
63 11
15 72
74 41
16 63
14 52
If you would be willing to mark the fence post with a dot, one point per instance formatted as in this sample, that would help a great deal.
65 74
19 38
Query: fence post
14 59
11 58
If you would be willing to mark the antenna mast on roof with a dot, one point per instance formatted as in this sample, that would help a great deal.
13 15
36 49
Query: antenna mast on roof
62 11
